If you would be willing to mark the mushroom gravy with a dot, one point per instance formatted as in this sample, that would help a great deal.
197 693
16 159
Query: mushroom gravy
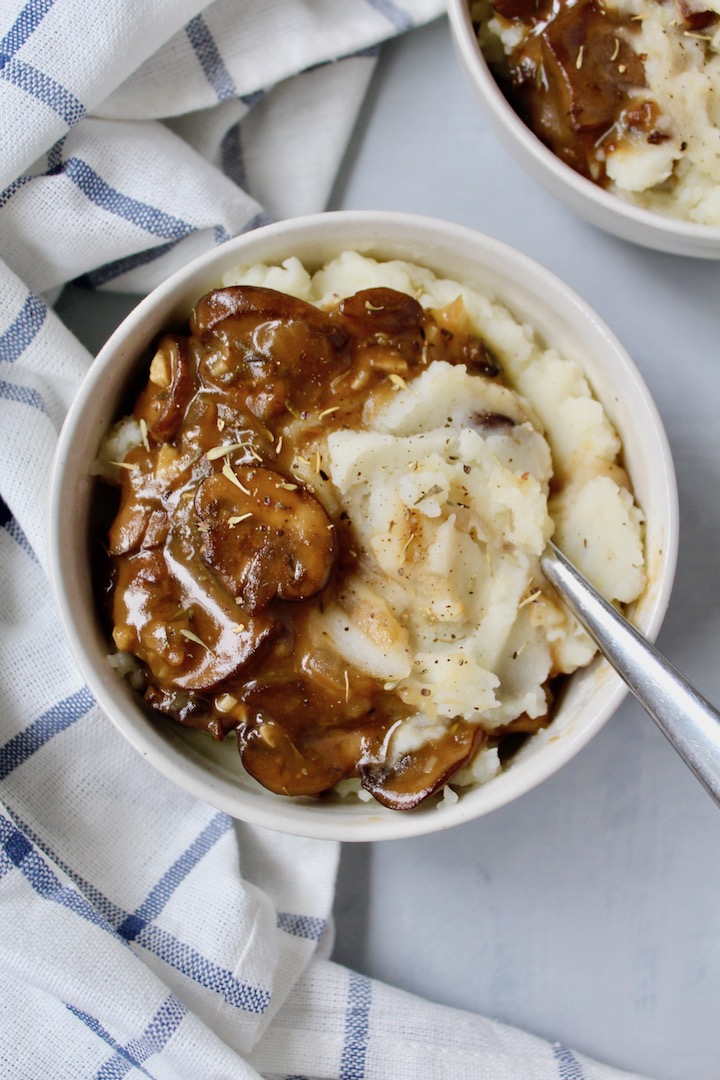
623 91
329 521
222 554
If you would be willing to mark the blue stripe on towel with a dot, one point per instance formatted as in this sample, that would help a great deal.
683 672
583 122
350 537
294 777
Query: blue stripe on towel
210 59
120 1052
25 395
29 78
569 1067
42 879
142 214
58 718
17 849
11 527
95 278
22 329
394 15
187 960
159 895
154 1038
357 1025
24 26
43 87
303 926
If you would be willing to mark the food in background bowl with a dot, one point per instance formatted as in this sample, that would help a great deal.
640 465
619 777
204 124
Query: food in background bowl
335 489
624 91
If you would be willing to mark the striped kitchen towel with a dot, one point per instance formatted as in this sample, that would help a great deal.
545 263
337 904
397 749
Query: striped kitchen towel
144 934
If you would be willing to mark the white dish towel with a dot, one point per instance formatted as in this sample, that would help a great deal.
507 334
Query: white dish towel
142 933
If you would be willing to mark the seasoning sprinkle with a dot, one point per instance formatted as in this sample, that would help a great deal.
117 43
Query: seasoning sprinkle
434 490
407 544
224 450
327 412
616 50
347 686
227 472
125 465
287 487
237 518
398 381
144 433
578 62
193 637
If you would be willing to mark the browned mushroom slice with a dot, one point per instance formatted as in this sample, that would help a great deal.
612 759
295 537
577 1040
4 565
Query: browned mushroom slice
170 388
282 348
192 709
591 68
189 639
384 312
296 766
573 79
301 737
264 536
528 10
251 301
418 775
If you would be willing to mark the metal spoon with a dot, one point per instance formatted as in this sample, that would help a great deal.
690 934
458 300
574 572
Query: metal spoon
684 716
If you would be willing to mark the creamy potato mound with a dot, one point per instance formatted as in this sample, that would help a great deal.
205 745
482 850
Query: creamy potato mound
453 486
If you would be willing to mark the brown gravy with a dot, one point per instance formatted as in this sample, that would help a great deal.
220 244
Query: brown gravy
577 80
220 553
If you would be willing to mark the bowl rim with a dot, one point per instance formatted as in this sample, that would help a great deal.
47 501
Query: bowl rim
286 815
555 174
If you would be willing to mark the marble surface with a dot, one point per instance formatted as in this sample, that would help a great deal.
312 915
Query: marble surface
589 910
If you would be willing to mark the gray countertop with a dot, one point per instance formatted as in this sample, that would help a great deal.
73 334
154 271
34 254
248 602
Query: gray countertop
589 910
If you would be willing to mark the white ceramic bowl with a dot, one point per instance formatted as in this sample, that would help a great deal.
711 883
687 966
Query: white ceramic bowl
599 207
212 771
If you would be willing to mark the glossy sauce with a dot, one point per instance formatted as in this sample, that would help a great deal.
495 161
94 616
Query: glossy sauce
221 554
577 78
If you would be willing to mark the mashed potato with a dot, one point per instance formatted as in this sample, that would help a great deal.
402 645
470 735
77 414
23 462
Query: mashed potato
444 490
450 607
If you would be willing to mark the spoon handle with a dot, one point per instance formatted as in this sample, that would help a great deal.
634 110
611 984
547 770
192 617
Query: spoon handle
688 720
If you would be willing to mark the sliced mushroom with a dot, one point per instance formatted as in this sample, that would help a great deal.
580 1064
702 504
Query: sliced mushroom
298 738
383 311
303 767
418 775
282 349
170 388
589 94
264 536
251 301
189 638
